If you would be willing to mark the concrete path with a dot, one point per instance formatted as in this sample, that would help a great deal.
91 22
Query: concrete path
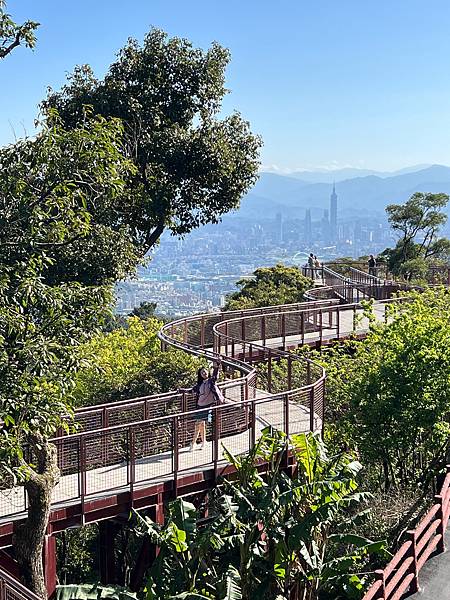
434 578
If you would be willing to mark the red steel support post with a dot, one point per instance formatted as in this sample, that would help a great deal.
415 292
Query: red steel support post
49 562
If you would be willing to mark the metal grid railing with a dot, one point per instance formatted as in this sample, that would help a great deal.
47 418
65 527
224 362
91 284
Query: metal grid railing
11 589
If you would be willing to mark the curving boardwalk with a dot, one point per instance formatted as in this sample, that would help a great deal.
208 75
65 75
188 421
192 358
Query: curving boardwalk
134 452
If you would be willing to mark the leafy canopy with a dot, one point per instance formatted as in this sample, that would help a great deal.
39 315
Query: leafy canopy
418 222
13 35
270 286
129 362
389 395
192 166
47 186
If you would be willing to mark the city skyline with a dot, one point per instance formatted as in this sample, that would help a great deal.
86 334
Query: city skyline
329 85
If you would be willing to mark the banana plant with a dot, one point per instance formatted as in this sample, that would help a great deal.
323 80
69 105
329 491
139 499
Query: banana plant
271 536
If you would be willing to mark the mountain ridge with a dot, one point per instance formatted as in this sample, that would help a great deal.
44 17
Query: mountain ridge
372 193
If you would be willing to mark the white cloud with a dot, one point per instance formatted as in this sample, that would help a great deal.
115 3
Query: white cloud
334 165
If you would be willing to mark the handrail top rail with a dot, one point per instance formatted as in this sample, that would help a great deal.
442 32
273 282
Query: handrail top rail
226 406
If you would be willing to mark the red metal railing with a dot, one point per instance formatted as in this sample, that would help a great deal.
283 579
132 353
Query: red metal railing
11 589
401 575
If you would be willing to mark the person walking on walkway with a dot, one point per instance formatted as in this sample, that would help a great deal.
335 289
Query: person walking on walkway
207 394
372 264
318 267
311 265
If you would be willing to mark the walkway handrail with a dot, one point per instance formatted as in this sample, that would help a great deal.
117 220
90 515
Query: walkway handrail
12 589
402 573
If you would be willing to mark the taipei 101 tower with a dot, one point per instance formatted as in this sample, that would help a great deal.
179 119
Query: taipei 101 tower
333 215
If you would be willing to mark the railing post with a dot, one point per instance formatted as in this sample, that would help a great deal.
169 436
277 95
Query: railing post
439 499
286 414
269 372
202 333
82 474
216 434
321 327
132 465
263 329
379 576
176 456
283 330
253 425
311 409
289 372
411 536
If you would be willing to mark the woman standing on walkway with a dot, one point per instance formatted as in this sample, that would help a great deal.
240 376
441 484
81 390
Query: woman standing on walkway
207 394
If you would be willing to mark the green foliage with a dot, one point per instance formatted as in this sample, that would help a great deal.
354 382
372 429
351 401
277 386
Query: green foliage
270 286
76 549
129 362
266 533
145 310
93 592
418 222
191 166
12 34
47 186
389 395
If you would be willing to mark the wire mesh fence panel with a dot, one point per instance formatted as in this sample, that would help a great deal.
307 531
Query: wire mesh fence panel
201 453
236 443
153 448
12 501
105 459
299 415
319 404
273 326
208 324
90 420
129 413
270 413
68 453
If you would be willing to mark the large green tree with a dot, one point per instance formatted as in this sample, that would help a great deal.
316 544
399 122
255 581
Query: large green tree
270 286
417 222
192 165
47 186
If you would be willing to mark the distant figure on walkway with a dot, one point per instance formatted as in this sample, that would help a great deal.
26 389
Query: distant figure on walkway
372 263
311 265
318 266
207 394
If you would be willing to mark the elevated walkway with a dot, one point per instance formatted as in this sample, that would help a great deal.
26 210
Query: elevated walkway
134 453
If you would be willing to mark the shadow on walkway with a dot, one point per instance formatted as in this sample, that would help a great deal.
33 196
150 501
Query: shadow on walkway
434 577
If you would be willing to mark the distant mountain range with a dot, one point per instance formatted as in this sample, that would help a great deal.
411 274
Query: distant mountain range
368 193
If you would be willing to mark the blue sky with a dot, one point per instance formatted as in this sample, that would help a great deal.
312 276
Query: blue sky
327 83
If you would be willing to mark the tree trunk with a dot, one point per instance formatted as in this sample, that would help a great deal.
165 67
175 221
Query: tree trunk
29 536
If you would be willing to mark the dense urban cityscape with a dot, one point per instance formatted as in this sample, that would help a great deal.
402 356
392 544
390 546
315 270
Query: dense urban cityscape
184 276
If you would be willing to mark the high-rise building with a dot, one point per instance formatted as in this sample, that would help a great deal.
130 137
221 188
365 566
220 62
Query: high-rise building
308 226
333 214
325 227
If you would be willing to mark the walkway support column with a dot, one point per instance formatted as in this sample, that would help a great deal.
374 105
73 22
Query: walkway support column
148 551
106 542
49 560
